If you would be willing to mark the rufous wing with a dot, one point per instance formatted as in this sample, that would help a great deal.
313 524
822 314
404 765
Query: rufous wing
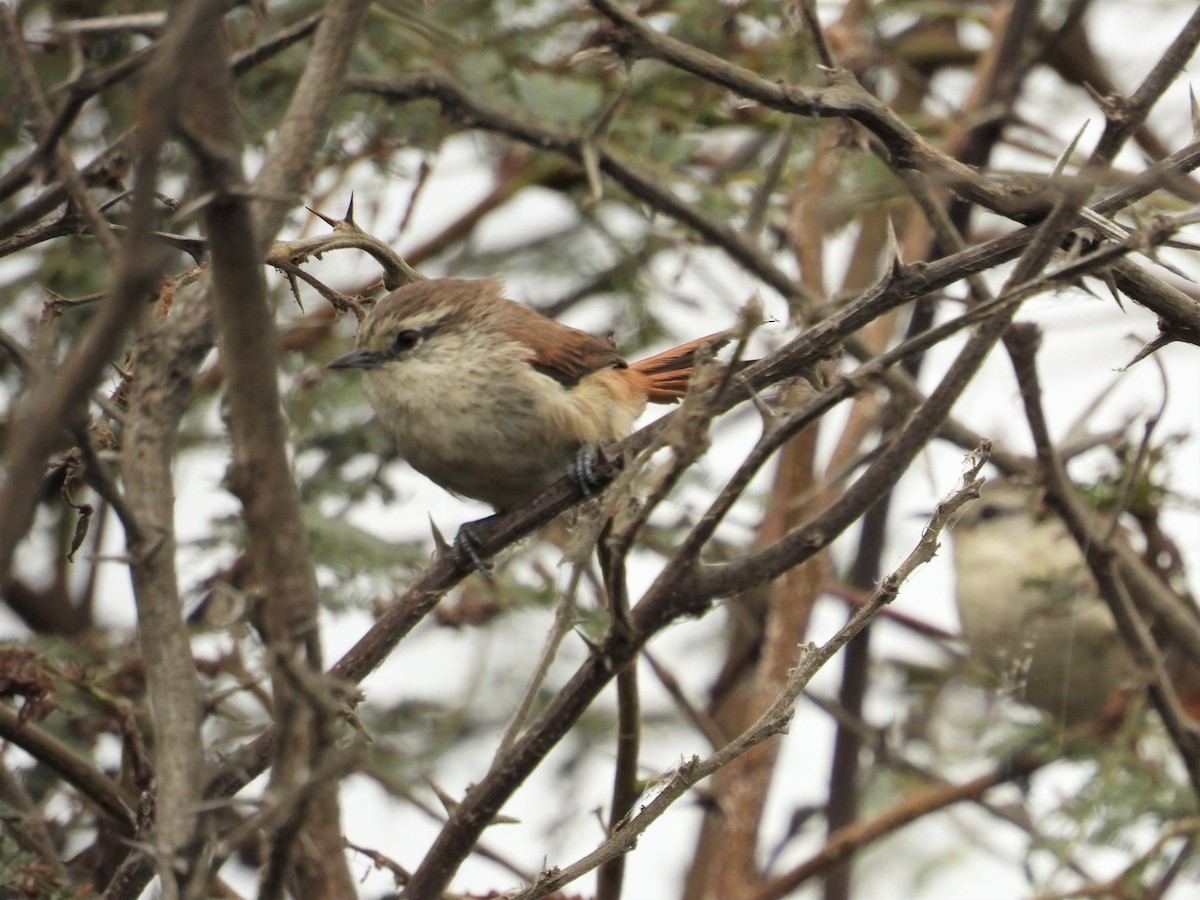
564 353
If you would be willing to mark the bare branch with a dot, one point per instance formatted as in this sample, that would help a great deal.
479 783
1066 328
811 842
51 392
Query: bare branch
778 715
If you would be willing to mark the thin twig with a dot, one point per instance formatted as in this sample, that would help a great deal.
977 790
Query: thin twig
76 771
64 165
566 617
1118 573
778 715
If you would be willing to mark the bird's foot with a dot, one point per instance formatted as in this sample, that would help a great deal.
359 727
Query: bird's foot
583 470
468 547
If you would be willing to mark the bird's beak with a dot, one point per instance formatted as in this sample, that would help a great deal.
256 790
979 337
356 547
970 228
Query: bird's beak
355 359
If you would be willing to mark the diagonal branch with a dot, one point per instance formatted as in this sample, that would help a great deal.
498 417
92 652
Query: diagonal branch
776 718
1119 574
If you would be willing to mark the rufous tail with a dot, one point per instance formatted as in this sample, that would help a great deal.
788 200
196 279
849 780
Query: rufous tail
665 375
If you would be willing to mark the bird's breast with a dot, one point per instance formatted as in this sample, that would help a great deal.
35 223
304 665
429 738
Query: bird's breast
496 430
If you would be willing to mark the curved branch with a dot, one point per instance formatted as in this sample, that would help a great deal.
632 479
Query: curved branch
75 770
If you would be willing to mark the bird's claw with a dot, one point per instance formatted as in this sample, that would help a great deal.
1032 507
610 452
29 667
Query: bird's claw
468 549
583 470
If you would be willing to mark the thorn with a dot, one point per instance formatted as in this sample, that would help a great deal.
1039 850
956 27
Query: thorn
1151 251
895 262
439 541
1066 155
448 803
1160 341
349 217
1195 115
1082 285
592 644
1102 100
332 223
1108 278
769 416
1156 257
588 54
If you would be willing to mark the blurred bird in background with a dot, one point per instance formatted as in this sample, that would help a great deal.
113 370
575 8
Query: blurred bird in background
1031 615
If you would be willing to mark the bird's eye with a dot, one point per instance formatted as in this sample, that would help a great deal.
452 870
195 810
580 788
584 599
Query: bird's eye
989 511
405 340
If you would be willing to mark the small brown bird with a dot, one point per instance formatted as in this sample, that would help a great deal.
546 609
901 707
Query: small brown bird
494 401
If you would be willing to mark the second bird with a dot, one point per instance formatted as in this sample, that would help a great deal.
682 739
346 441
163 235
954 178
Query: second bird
1030 612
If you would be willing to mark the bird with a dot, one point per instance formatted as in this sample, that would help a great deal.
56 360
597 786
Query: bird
1031 615
494 401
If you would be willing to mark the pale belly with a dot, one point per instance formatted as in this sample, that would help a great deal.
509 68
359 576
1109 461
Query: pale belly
501 440
1042 634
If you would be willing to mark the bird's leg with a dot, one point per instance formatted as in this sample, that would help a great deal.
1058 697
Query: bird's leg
468 546
583 469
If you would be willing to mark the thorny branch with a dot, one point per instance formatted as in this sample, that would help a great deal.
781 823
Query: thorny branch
170 352
1129 589
775 720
